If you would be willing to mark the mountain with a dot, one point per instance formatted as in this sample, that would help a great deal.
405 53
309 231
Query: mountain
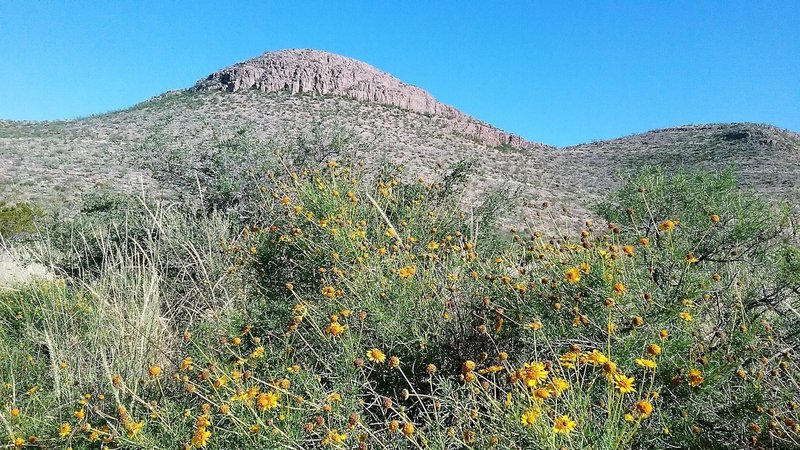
282 95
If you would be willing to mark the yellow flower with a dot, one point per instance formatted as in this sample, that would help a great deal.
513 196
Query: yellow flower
221 381
376 356
201 437
203 420
646 363
529 417
628 250
624 384
133 428
467 367
154 371
667 225
267 400
563 424
334 438
329 291
335 329
573 275
610 370
258 352
186 364
408 429
15 412
644 408
654 349
558 385
685 315
596 358
492 369
691 259
535 325
568 359
79 414
619 288
541 393
64 430
532 374
407 272
695 378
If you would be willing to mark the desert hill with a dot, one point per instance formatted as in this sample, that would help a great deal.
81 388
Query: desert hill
282 95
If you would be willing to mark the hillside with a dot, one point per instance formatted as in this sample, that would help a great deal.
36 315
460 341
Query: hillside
282 95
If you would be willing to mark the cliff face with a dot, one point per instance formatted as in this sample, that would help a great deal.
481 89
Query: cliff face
322 73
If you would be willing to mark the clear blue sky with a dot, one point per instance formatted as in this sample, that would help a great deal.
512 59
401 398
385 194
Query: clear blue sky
557 72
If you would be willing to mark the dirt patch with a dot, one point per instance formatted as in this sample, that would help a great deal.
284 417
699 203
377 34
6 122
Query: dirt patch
13 270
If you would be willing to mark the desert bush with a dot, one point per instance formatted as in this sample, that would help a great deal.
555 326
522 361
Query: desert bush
229 174
373 312
19 218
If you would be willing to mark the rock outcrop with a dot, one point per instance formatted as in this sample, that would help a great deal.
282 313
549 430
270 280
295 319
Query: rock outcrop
321 73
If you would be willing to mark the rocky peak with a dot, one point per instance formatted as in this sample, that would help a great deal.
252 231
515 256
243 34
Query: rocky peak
321 73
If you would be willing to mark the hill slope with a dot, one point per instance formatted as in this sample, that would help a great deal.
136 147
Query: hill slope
283 95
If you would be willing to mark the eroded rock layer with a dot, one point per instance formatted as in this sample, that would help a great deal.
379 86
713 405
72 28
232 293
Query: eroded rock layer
321 73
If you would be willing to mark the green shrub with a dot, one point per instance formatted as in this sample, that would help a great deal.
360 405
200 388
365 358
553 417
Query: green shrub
19 218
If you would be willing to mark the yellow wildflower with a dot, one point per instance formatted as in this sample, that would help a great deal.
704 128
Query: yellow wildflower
532 374
644 409
624 384
64 430
563 424
267 400
573 275
333 437
646 363
596 357
407 272
376 356
201 437
667 225
529 417
335 329
186 364
695 378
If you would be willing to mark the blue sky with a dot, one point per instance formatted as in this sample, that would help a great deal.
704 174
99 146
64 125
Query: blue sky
557 72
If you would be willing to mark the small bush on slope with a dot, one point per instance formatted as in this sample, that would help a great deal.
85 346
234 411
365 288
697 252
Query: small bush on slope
371 317
17 219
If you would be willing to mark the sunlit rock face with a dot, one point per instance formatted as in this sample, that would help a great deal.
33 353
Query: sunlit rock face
321 73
